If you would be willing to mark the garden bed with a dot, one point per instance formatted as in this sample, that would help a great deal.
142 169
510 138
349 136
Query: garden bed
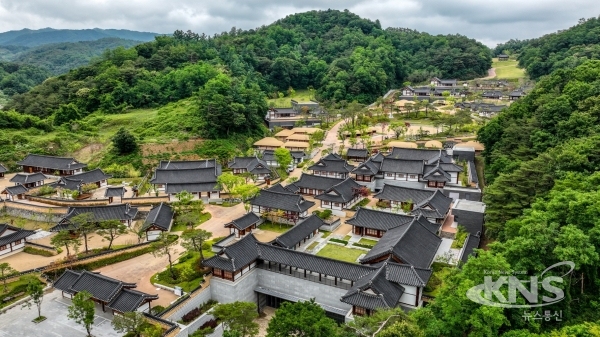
180 227
188 270
340 253
361 203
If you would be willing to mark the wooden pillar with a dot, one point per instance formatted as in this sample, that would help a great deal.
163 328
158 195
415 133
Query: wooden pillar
319 277
103 307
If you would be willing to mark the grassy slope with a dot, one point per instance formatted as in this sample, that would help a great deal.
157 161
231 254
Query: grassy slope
508 69
299 95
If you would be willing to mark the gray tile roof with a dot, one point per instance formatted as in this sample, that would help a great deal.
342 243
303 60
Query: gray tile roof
282 189
332 163
24 178
251 164
421 199
316 182
283 201
15 190
473 172
245 221
298 154
402 166
101 287
68 184
185 176
129 300
360 153
378 157
92 176
471 243
374 291
115 191
300 231
369 218
121 212
269 155
411 243
174 188
3 169
160 216
369 167
428 156
235 256
65 281
407 274
51 162
450 167
341 192
187 164
17 234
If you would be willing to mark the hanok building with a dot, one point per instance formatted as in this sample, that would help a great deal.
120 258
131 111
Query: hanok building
432 204
299 234
110 293
494 94
287 117
258 168
121 212
314 185
61 166
283 134
196 177
420 92
76 182
332 165
368 222
471 243
293 206
28 180
115 192
244 224
16 192
12 239
268 275
436 82
342 195
516 94
410 243
159 220
268 143
469 214
359 155
502 57
3 170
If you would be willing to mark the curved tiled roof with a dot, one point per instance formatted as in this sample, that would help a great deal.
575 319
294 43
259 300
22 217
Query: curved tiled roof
300 231
245 221
160 216
284 201
51 162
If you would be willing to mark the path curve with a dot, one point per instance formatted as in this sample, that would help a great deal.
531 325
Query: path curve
491 74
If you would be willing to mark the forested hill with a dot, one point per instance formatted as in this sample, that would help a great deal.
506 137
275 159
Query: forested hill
59 58
33 38
19 78
565 48
344 57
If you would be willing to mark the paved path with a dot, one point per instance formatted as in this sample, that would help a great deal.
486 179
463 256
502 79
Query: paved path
220 216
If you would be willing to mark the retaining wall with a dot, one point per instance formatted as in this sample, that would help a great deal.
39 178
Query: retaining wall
67 202
34 212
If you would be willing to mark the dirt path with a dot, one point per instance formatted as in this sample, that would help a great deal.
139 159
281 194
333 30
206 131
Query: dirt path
491 74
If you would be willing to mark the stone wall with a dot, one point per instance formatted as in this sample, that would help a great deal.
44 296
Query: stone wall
35 213
196 301
66 202
224 291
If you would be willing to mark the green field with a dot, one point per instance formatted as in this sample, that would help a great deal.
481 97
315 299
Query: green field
508 69
274 227
299 95
340 253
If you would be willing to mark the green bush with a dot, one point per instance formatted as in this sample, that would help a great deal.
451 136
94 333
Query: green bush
35 251
324 214
157 309
361 245
45 190
461 236
339 241
361 203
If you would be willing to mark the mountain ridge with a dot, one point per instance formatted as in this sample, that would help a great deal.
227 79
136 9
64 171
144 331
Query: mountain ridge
33 38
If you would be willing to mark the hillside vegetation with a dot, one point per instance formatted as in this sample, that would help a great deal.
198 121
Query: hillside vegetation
59 58
19 78
564 49
342 56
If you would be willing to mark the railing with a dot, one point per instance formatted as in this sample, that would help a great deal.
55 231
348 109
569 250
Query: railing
309 276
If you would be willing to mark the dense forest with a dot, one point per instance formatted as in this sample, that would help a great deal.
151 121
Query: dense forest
342 56
563 49
542 155
59 58
19 78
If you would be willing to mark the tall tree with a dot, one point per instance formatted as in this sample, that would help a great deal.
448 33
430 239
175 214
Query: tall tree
193 240
130 323
82 310
228 181
65 239
5 271
111 229
35 290
301 319
238 316
124 142
85 225
164 246
283 157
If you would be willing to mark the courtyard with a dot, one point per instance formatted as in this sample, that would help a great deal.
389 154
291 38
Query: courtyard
16 322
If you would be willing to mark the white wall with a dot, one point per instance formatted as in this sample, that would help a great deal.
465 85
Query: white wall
409 295
153 235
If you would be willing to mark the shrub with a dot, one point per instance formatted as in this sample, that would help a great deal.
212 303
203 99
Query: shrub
361 245
339 241
383 204
45 190
157 309
88 187
325 214
35 251
461 236
209 324
361 203
191 315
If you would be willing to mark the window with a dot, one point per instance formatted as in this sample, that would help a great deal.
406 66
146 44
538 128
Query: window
326 203
389 175
370 231
431 183
360 311
3 247
18 242
227 275
337 204
401 175
441 184
412 176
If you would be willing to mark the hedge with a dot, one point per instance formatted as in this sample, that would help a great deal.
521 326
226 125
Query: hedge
35 251
339 241
361 245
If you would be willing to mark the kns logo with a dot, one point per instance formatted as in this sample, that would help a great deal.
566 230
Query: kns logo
485 293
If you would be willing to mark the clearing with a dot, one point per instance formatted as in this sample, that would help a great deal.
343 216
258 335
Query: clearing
300 95
508 70
340 253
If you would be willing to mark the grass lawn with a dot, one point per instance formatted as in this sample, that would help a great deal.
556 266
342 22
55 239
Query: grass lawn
274 227
340 253
325 234
25 223
347 237
299 95
16 290
312 245
179 227
361 203
367 242
508 69
186 264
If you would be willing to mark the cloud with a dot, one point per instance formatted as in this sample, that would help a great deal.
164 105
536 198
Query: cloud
488 21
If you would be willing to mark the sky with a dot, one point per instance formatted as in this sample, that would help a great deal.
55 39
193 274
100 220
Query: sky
490 22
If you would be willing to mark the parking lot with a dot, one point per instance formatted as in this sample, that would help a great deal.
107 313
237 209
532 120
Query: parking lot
16 322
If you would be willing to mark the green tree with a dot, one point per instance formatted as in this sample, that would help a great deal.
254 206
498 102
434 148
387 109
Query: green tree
66 113
85 225
164 246
65 239
245 191
238 316
35 290
301 319
228 181
82 310
283 157
193 239
124 142
110 230
130 323
5 271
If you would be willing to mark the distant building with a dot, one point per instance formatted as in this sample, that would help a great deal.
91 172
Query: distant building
62 166
502 57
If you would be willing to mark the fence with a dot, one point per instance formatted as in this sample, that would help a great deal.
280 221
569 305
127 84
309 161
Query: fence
68 202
